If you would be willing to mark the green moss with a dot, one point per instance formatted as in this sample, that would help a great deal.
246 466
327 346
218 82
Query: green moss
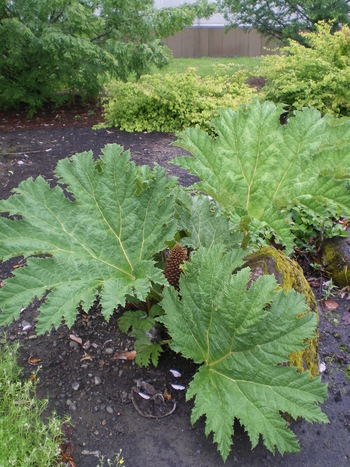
289 275
333 260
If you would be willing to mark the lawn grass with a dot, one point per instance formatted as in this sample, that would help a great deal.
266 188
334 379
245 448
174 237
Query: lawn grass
206 65
25 441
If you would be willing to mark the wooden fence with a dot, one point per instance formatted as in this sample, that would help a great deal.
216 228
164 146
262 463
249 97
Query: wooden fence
213 42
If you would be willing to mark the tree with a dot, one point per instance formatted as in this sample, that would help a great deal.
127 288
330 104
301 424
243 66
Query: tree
52 49
284 19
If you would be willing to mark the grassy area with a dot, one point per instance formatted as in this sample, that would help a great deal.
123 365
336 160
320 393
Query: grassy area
206 65
24 439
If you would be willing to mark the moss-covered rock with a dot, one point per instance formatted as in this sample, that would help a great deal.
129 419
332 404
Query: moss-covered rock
336 259
289 275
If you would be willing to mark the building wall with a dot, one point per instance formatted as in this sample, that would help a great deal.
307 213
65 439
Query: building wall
213 42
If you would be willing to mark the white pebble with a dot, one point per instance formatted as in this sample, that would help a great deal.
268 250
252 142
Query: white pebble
178 387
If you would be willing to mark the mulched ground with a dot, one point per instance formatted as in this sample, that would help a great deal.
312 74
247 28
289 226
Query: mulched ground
107 414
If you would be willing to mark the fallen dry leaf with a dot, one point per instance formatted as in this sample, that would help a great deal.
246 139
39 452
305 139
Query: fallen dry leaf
75 339
330 304
67 446
34 361
125 355
346 319
314 283
86 357
167 395
86 345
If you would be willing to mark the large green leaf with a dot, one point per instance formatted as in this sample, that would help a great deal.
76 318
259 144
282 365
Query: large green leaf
258 165
242 336
99 244
204 222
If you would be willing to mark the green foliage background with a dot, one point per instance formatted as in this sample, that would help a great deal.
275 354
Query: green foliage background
282 19
52 49
314 76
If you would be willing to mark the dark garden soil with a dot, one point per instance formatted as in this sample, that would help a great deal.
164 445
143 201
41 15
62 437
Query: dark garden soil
97 391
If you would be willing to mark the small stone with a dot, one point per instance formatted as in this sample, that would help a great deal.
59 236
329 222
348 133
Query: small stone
75 386
85 366
97 380
109 409
109 351
32 337
96 432
26 325
12 338
103 422
120 373
69 402
73 407
102 407
2 341
74 345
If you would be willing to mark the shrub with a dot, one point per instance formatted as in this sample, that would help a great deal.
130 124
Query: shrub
258 169
172 102
104 244
49 46
317 75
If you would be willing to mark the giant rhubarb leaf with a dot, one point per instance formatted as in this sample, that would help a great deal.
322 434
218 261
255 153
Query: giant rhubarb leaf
258 166
242 335
204 222
101 243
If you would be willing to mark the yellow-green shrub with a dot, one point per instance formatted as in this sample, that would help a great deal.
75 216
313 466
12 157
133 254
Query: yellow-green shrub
172 102
317 75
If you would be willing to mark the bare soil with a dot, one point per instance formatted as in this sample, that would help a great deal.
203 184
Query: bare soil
107 415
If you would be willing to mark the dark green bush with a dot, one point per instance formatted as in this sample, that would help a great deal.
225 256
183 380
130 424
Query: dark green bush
51 50
40 57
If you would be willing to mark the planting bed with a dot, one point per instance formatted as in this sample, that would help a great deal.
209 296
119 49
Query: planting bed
98 393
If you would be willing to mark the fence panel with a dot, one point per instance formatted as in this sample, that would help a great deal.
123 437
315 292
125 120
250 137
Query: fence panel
213 42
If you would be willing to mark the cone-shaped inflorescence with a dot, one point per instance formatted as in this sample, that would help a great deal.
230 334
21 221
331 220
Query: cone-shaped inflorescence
172 271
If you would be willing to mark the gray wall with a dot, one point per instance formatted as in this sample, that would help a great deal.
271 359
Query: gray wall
212 42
